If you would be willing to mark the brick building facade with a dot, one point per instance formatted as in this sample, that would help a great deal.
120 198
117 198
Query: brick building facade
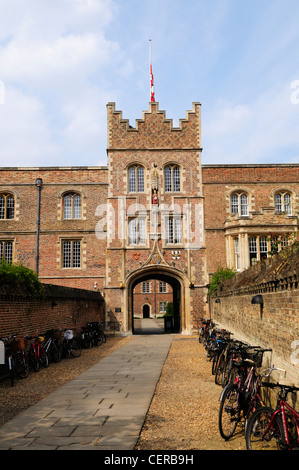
154 215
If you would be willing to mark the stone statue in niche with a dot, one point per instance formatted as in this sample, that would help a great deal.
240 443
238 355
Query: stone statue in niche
155 198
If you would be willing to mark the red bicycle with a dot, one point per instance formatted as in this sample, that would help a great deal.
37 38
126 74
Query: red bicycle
278 429
37 355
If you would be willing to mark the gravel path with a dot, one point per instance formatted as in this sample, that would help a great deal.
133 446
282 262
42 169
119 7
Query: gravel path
184 411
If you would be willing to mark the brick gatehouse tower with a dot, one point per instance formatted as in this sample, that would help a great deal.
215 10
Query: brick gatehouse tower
155 229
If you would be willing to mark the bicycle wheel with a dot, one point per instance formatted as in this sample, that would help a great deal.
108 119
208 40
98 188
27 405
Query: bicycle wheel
216 356
43 357
219 370
229 412
22 368
33 360
75 347
103 336
259 437
54 352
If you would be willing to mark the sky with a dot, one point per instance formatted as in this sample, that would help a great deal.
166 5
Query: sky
62 61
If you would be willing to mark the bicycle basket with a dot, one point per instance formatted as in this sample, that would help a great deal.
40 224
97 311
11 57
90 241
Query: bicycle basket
68 334
17 345
257 357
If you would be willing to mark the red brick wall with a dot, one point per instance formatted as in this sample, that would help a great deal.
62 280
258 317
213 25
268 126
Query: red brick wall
60 308
260 182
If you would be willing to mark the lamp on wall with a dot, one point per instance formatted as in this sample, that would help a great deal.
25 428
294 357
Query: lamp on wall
257 299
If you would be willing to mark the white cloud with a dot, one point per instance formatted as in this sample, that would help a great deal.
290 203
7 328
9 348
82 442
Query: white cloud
37 60
264 129
24 132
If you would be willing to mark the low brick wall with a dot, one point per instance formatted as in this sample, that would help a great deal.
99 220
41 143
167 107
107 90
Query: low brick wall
60 307
273 325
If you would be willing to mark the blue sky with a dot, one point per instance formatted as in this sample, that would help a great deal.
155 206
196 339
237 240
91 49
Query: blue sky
61 61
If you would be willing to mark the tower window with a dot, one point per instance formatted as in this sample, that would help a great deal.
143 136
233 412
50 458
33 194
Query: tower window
172 178
173 230
136 179
137 231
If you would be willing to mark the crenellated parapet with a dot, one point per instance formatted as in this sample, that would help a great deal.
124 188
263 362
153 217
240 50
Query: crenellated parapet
154 130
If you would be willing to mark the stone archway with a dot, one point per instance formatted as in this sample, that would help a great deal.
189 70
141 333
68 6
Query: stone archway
178 282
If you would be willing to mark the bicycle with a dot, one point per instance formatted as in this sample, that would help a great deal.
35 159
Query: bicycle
228 353
220 342
278 429
233 357
71 345
241 397
15 362
92 334
204 330
101 337
52 346
21 365
9 364
37 355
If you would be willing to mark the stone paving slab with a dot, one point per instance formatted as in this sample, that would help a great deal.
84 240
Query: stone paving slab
102 409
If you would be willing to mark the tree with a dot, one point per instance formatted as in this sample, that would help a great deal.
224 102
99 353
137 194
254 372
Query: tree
20 276
219 277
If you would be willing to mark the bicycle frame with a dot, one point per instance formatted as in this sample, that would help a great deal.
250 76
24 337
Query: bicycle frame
283 405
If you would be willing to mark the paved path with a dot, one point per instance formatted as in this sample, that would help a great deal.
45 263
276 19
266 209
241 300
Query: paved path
102 409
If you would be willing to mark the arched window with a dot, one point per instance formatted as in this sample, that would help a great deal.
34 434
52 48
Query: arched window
172 180
7 206
136 179
72 206
239 204
283 202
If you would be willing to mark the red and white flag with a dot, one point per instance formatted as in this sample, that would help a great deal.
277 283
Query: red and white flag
152 84
151 75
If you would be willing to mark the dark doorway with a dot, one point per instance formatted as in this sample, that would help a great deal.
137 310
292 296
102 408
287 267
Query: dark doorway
146 311
157 315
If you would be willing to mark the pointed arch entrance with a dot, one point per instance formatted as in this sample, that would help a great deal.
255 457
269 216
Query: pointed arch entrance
174 278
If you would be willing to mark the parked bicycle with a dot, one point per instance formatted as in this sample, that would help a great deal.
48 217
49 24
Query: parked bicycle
71 345
15 363
240 398
92 335
52 345
278 429
37 355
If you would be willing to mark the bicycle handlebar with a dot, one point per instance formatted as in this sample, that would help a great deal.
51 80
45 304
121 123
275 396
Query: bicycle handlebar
286 388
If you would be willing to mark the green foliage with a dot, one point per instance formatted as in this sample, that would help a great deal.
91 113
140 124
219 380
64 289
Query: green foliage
169 309
20 276
218 278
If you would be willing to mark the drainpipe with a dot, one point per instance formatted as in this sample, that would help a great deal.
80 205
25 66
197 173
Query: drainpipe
39 184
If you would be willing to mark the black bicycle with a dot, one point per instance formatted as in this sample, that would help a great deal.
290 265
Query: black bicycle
52 345
15 365
71 345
